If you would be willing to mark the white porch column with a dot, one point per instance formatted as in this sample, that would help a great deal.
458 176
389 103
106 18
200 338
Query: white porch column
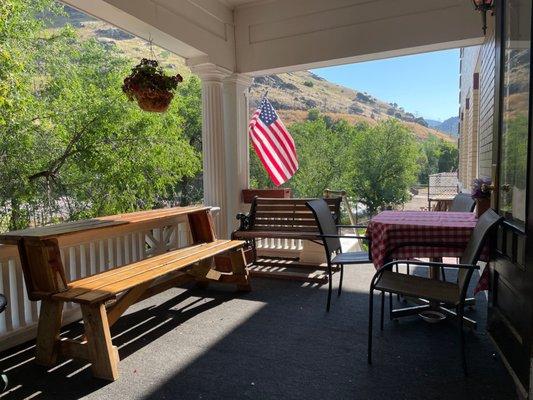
236 113
213 146
224 141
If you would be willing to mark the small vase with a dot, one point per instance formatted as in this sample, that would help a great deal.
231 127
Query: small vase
482 205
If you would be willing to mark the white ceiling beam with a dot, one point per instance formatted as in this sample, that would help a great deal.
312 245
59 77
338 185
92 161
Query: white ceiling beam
281 35
191 29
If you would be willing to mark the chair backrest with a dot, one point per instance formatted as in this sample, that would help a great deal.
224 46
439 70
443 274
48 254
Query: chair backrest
485 226
286 214
463 202
326 224
3 303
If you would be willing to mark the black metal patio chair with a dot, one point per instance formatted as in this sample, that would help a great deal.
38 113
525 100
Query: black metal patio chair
329 233
451 294
463 202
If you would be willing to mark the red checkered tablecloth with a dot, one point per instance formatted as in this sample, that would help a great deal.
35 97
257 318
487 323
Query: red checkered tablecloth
393 233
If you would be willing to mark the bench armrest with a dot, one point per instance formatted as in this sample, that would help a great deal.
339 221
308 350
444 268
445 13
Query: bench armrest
244 221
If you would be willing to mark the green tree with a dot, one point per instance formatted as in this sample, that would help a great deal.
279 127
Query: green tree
71 143
449 157
437 156
382 165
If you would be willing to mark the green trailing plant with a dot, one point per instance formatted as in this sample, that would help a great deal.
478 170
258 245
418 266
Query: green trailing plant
150 86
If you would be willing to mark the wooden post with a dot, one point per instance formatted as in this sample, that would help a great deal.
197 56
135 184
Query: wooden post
42 267
48 332
238 264
202 227
103 355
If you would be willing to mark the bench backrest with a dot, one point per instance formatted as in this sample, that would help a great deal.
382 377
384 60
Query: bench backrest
287 214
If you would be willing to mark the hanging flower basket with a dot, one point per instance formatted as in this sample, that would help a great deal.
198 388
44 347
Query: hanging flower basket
150 86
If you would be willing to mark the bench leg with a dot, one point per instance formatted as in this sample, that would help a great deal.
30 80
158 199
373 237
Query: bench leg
238 265
103 355
204 266
129 298
48 332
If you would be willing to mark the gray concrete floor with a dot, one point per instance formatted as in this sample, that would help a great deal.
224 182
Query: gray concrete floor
276 342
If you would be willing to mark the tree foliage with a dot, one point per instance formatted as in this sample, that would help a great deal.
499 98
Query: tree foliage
382 165
437 156
70 143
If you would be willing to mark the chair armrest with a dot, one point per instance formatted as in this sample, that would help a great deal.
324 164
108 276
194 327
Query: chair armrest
429 264
345 236
362 226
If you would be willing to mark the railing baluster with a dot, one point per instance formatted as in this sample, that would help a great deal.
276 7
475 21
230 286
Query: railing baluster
19 279
101 256
13 296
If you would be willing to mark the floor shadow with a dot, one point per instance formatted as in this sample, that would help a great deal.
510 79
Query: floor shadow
276 342
72 379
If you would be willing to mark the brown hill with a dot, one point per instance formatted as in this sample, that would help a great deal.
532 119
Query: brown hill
293 94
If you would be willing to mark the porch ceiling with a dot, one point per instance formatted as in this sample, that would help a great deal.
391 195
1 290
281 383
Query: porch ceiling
265 36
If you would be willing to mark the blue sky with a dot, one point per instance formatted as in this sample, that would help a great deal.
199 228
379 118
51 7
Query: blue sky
424 84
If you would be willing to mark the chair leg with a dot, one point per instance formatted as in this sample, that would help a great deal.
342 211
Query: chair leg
390 306
340 282
397 270
330 288
443 274
370 318
3 382
460 312
382 310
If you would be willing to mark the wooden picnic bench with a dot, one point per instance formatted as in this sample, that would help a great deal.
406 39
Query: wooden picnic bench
282 218
105 296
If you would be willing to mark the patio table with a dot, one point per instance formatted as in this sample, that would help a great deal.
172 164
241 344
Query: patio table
409 234
404 235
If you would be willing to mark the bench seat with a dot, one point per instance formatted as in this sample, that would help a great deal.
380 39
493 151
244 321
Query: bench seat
106 285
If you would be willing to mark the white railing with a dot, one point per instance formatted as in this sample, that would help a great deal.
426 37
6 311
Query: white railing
280 244
82 255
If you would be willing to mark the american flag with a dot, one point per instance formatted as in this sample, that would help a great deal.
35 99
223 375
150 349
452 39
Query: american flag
273 144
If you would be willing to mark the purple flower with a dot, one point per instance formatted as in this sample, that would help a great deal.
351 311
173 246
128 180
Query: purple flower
481 187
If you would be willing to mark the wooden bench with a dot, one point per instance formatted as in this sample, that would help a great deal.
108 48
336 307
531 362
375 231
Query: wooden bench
105 296
282 219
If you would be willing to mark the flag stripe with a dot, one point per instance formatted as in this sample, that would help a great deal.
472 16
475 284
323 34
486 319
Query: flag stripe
272 171
286 146
271 153
281 126
276 146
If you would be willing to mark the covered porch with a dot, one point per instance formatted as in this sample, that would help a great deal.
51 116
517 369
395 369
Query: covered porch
275 342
